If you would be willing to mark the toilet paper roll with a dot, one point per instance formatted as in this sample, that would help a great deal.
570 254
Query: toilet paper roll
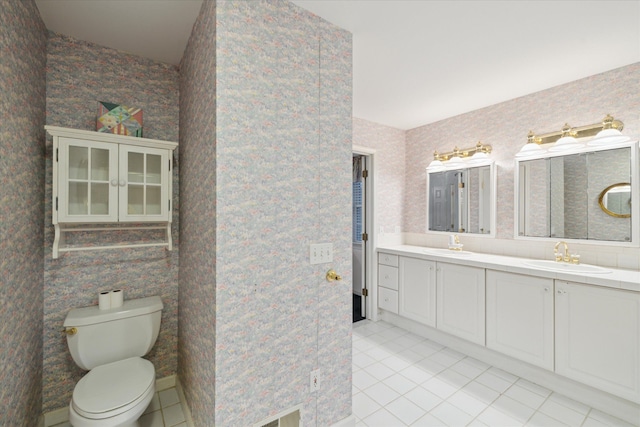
104 300
117 298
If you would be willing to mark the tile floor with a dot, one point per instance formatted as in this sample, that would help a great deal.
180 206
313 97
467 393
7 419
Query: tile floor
401 379
165 410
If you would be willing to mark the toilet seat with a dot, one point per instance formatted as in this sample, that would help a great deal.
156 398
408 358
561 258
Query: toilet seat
112 389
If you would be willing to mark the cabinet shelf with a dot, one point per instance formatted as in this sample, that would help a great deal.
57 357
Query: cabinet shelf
60 243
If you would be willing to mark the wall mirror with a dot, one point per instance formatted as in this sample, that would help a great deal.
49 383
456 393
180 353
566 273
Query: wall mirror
615 200
582 196
462 200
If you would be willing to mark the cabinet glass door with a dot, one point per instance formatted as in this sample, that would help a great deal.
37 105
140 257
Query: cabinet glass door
144 198
87 194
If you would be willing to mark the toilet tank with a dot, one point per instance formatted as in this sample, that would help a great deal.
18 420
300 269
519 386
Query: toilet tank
105 336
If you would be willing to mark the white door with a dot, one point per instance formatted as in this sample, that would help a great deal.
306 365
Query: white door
461 301
417 290
88 186
143 184
520 317
598 337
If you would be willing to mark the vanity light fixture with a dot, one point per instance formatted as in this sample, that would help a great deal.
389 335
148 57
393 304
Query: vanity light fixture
605 132
609 134
567 141
479 154
531 148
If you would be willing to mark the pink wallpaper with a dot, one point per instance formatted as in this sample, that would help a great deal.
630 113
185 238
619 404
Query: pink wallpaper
22 172
389 144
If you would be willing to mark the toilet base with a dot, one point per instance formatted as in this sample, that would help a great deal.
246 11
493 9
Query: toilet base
127 419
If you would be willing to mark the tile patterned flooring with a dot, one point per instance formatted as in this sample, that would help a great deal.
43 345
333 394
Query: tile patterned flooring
402 379
165 410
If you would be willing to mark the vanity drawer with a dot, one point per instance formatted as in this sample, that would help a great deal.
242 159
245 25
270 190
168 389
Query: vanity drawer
388 259
388 300
388 277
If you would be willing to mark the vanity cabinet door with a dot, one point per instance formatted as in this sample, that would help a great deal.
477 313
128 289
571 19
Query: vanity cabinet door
461 301
520 317
417 282
598 337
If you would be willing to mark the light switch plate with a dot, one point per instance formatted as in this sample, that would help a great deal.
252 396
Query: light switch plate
320 253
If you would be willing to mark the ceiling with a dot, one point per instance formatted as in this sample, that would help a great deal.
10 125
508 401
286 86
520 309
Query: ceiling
414 62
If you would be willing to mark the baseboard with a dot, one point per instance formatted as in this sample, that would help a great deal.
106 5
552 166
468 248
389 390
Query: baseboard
350 421
183 401
62 415
598 399
56 417
165 383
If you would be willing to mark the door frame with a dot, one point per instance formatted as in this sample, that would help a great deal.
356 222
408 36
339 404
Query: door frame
371 273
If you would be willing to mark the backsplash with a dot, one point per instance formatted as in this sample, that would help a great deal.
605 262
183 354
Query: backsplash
79 74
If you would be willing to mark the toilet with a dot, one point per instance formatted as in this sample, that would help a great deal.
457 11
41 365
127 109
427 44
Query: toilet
110 344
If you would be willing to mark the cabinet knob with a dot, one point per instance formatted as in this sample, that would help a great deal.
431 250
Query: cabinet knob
122 183
546 289
114 182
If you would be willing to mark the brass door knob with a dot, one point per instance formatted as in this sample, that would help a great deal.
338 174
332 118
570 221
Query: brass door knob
332 275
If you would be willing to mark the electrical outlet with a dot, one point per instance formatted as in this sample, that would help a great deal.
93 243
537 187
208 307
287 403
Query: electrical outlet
314 380
320 253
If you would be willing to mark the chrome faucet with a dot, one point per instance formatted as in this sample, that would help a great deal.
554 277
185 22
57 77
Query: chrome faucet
566 257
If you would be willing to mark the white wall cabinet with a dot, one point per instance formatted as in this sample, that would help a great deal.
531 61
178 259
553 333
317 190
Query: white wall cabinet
417 290
598 337
101 178
104 182
460 307
520 314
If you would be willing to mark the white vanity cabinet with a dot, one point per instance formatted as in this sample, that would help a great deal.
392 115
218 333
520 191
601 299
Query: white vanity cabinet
417 290
460 308
102 178
388 282
520 314
597 337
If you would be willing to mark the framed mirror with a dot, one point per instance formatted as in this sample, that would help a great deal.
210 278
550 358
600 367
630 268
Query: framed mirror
462 200
584 196
615 200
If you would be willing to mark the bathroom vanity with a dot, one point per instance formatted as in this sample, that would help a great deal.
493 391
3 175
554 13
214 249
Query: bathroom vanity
544 321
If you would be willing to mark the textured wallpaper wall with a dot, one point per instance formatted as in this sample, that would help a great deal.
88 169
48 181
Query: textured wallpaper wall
389 144
280 143
22 109
197 311
79 74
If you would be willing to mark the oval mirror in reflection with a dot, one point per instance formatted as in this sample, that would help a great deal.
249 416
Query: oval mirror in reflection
615 200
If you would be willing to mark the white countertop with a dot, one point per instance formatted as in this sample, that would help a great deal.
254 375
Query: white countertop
614 278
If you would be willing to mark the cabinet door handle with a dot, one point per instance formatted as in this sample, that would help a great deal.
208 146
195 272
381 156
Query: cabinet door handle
561 292
122 183
546 289
114 182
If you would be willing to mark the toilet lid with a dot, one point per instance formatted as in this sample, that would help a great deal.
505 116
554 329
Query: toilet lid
115 385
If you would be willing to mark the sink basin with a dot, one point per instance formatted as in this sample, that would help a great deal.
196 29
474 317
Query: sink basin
447 252
566 267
